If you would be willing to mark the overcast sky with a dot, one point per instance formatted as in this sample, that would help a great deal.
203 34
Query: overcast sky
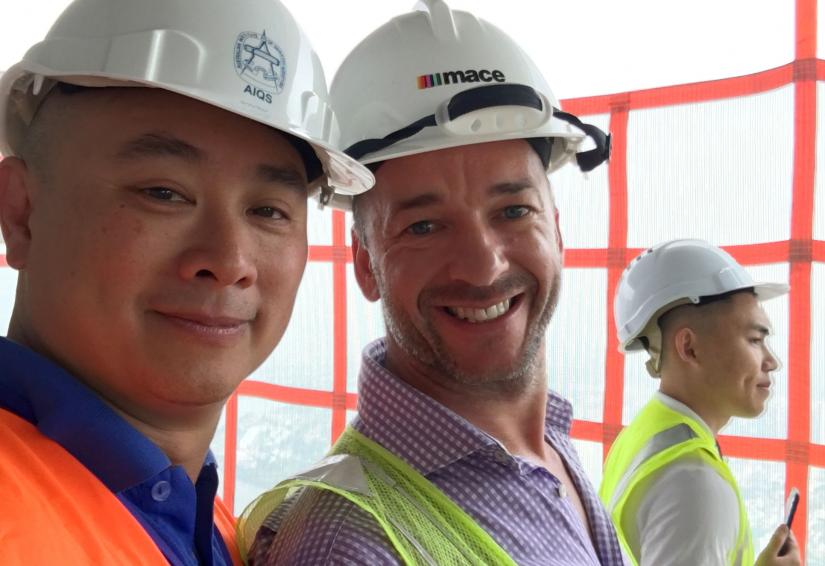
584 47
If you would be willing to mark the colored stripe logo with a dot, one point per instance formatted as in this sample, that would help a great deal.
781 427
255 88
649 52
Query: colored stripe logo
456 77
429 81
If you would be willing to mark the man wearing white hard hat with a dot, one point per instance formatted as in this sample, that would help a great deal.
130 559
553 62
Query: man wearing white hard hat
158 157
673 499
460 454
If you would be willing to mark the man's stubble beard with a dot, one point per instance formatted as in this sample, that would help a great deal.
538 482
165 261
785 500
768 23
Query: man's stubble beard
428 349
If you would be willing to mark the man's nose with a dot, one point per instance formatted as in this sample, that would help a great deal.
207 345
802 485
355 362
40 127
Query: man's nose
220 250
478 256
770 361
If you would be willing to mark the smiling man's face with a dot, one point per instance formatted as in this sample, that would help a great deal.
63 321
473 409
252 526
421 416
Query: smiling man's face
462 247
163 249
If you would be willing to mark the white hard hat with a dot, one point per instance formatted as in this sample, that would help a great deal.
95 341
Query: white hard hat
436 78
674 273
246 56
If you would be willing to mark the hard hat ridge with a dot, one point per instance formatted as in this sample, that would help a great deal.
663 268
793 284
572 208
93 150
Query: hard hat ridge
437 78
442 23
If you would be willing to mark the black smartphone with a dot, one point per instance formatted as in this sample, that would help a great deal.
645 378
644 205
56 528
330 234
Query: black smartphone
790 506
790 510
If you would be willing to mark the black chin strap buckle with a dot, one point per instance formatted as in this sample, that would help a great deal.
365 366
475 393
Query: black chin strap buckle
592 158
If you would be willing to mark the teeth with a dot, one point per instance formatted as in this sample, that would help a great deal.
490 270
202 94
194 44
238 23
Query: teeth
481 315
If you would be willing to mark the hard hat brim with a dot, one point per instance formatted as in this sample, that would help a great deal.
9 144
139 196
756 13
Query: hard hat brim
764 292
342 172
767 291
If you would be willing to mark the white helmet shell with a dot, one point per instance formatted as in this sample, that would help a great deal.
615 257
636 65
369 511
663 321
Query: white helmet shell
414 66
674 273
246 56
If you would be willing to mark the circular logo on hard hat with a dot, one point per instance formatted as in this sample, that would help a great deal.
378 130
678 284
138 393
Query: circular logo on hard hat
259 61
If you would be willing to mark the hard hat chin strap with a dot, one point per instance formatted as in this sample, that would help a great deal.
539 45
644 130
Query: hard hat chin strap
590 159
493 96
365 147
653 334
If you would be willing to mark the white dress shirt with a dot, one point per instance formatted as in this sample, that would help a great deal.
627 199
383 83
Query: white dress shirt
684 514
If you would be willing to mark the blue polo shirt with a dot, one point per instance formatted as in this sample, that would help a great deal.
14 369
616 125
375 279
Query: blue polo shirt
176 514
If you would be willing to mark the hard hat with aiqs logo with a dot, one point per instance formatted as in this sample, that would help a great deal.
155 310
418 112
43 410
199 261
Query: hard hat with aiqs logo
246 56
671 274
436 78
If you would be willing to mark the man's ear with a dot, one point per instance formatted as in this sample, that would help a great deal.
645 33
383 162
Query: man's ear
363 268
685 344
16 184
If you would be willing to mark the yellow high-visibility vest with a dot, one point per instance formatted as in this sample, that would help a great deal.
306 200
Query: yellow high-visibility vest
424 525
656 437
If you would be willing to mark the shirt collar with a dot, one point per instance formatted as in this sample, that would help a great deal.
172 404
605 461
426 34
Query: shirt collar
403 419
559 413
682 409
67 411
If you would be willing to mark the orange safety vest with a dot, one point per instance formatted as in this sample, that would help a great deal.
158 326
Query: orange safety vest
53 510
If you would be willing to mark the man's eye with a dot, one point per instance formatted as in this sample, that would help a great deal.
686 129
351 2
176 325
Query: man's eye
517 211
421 228
162 193
268 212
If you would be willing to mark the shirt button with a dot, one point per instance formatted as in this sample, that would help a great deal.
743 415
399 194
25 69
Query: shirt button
562 491
161 491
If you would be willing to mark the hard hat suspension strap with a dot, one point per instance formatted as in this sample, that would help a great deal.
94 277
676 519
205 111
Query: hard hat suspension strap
491 96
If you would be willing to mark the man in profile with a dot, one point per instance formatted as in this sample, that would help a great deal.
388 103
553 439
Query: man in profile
673 499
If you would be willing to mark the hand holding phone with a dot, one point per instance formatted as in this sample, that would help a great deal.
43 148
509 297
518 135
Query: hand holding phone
790 511
790 506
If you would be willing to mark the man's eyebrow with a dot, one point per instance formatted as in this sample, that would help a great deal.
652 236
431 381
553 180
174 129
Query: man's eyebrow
510 188
285 176
761 328
159 144
428 199
418 201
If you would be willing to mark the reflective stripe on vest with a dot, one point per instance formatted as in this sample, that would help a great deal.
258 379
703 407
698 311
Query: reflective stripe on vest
656 445
657 437
424 526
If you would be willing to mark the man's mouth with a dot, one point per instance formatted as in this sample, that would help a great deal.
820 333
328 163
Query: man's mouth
484 314
212 326
216 322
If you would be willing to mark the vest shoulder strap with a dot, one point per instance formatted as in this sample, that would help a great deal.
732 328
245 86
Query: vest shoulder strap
423 524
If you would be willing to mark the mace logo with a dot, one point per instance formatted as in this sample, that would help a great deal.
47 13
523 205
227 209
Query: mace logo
260 62
456 77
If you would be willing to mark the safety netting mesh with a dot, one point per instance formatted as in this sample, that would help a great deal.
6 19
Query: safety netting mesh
733 161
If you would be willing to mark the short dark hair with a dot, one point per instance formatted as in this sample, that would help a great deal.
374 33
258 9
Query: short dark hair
703 301
707 299
312 164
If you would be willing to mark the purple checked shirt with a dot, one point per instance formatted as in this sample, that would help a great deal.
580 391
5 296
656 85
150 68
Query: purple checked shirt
521 505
